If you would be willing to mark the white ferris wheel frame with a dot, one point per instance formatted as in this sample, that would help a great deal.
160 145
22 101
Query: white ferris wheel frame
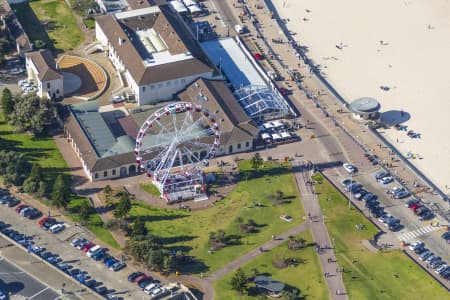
181 143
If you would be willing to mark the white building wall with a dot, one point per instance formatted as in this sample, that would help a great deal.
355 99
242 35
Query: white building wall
52 88
164 90
100 35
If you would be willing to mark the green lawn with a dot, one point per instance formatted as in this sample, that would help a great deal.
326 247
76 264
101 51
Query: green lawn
306 277
374 275
45 152
50 21
190 231
150 188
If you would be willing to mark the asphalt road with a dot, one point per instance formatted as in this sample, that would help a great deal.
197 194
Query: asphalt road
14 280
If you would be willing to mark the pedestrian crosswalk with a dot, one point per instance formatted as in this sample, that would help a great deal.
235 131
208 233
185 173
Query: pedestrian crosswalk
416 233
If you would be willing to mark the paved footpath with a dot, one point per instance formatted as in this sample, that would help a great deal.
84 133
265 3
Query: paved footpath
320 234
256 252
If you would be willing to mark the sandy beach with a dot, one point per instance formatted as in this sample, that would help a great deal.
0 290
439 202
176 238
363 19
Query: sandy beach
363 45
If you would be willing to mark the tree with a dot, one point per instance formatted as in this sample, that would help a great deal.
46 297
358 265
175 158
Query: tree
290 295
42 191
85 212
14 166
123 207
139 227
239 281
60 192
31 184
107 191
7 103
32 113
256 161
39 44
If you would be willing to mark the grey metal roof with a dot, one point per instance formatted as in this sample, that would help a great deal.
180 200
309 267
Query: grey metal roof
365 105
98 132
269 284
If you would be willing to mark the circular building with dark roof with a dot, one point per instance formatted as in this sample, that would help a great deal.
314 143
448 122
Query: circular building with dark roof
365 108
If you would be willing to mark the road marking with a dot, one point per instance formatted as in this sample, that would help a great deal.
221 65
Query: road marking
38 293
416 233
60 297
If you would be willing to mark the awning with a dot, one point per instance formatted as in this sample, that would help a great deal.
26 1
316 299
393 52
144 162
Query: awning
194 8
278 124
190 2
276 136
178 6
285 134
268 125
265 136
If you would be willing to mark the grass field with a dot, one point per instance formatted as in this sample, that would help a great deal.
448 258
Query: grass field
150 188
190 231
50 21
306 277
375 275
45 152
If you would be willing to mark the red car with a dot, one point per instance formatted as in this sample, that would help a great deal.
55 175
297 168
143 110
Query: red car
42 221
415 207
87 247
20 207
139 278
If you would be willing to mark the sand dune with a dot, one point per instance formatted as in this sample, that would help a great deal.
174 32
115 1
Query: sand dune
404 45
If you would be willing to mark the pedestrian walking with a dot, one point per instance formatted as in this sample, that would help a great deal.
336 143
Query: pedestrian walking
337 270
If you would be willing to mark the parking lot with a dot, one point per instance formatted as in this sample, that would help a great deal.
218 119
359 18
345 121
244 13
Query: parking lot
19 283
401 223
115 282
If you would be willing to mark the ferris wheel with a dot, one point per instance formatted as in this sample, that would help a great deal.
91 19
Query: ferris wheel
174 144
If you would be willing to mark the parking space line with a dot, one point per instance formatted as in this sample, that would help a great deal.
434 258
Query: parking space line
38 293
60 297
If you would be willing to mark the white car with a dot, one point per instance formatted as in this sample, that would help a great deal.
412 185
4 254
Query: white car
441 269
349 168
152 286
56 228
118 99
386 180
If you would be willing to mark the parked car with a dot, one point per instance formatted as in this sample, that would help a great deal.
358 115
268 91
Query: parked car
144 282
380 174
442 268
118 99
19 208
360 194
386 180
75 242
37 249
151 287
101 290
425 255
138 279
57 228
347 182
416 245
401 195
87 246
93 250
134 275
118 266
81 245
99 255
411 202
426 215
49 223
12 202
111 262
349 168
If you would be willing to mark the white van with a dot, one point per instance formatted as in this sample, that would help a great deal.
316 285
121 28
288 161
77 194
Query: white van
240 29
93 250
